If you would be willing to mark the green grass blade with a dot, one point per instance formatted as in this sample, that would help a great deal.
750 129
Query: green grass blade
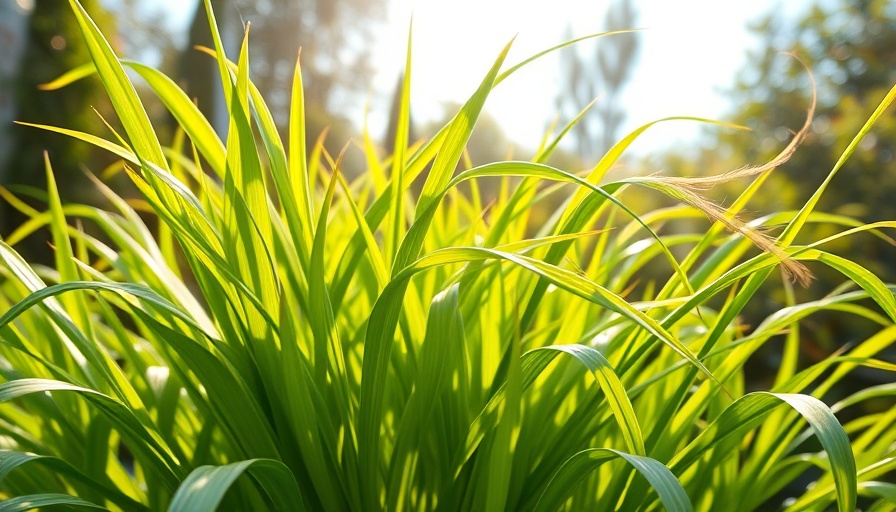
220 57
205 487
384 318
501 447
858 274
304 416
143 442
609 383
457 133
749 411
444 331
330 367
397 214
247 233
228 393
562 278
884 490
794 227
69 77
298 163
10 460
186 113
580 466
99 142
124 98
34 501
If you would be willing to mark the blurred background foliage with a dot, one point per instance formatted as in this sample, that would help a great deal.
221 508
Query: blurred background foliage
599 72
850 47
50 45
335 38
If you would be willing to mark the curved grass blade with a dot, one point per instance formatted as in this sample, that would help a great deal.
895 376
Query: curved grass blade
205 487
291 175
496 478
228 393
33 501
298 163
457 133
885 490
542 53
575 470
330 367
154 453
567 280
10 460
384 318
124 98
93 361
609 383
749 411
185 112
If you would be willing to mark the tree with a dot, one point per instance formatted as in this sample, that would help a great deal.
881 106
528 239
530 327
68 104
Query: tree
144 33
850 48
53 47
334 37
582 82
13 34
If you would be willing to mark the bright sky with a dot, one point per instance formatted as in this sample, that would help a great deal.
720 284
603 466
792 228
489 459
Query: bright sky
690 50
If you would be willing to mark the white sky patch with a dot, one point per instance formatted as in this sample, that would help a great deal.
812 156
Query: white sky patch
690 51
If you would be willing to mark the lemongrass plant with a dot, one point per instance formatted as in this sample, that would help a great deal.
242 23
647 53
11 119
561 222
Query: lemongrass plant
349 346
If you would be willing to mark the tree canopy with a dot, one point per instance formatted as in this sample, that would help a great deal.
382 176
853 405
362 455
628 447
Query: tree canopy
849 47
335 38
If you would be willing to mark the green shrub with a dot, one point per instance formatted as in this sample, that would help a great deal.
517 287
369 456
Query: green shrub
289 340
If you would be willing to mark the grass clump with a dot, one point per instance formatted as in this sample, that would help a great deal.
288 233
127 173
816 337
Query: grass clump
290 340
